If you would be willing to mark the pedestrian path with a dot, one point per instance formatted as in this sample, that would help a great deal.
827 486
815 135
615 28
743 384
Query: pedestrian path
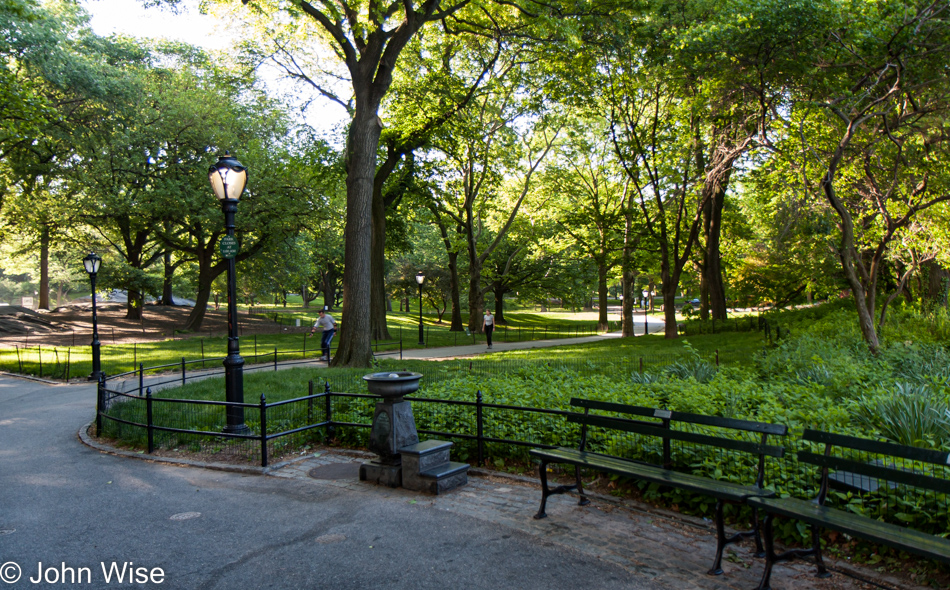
666 548
647 324
651 324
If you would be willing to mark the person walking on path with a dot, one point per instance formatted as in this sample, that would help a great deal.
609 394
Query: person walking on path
488 326
327 325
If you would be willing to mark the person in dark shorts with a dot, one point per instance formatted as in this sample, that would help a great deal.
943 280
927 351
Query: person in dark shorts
488 326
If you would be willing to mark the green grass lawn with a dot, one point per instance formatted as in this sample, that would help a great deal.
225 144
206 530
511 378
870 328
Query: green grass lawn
60 362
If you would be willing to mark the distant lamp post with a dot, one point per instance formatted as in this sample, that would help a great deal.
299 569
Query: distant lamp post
420 278
92 263
228 178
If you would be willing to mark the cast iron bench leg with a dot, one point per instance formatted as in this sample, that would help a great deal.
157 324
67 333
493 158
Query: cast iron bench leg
721 541
769 555
543 474
759 551
580 487
816 547
771 558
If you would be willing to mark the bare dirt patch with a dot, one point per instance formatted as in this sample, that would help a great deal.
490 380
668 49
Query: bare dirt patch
72 326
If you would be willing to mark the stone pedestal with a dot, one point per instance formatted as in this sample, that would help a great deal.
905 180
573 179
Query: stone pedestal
393 428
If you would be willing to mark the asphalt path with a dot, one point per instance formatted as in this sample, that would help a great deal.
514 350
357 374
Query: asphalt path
69 507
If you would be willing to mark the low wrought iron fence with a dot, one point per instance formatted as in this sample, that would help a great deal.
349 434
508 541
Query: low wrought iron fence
140 418
67 362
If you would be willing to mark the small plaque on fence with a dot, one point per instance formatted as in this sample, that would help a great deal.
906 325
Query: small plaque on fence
665 414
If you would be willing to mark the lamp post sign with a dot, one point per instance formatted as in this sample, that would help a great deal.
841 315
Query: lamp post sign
228 247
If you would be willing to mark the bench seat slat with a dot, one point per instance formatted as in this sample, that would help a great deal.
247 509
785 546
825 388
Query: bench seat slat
657 430
722 490
879 447
903 538
881 472
720 421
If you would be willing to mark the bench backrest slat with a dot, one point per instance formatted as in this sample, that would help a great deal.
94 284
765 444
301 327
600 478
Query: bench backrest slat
882 448
717 421
655 429
881 472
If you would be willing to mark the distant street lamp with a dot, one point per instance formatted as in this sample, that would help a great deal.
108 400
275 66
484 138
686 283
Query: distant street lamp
92 262
420 278
228 178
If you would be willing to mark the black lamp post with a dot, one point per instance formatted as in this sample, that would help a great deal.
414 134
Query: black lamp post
92 262
228 178
420 278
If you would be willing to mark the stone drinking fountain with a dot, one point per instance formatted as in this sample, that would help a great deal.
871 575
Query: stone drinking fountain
401 459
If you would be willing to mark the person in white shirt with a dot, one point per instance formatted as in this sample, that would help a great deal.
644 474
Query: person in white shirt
327 325
488 326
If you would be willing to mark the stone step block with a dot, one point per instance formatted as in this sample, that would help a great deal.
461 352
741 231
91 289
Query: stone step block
424 456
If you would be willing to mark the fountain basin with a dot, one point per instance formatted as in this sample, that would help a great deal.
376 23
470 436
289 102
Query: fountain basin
392 384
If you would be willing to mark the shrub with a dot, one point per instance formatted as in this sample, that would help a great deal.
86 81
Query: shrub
911 414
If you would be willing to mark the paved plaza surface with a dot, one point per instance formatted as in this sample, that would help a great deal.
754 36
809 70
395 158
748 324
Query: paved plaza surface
310 523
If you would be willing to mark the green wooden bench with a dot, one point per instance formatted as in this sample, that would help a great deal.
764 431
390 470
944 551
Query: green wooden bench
661 428
882 475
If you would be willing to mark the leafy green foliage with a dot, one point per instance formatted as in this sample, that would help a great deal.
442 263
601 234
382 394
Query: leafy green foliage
909 414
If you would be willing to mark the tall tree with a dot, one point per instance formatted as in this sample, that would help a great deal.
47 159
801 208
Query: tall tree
871 121
368 40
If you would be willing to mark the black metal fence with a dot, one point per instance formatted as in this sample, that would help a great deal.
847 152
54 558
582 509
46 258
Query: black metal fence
65 362
142 419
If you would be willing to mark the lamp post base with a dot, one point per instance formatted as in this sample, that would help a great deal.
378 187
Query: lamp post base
234 393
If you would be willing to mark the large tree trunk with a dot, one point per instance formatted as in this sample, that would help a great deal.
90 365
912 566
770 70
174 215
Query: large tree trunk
602 298
197 315
134 306
44 268
629 277
499 292
355 337
476 298
207 272
864 295
938 283
669 309
714 293
167 295
380 330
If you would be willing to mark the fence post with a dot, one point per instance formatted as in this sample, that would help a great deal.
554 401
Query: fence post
305 346
100 402
263 431
202 353
275 358
18 361
39 351
255 347
641 365
400 348
141 378
68 358
182 370
717 357
148 420
479 430
310 402
327 396
135 355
